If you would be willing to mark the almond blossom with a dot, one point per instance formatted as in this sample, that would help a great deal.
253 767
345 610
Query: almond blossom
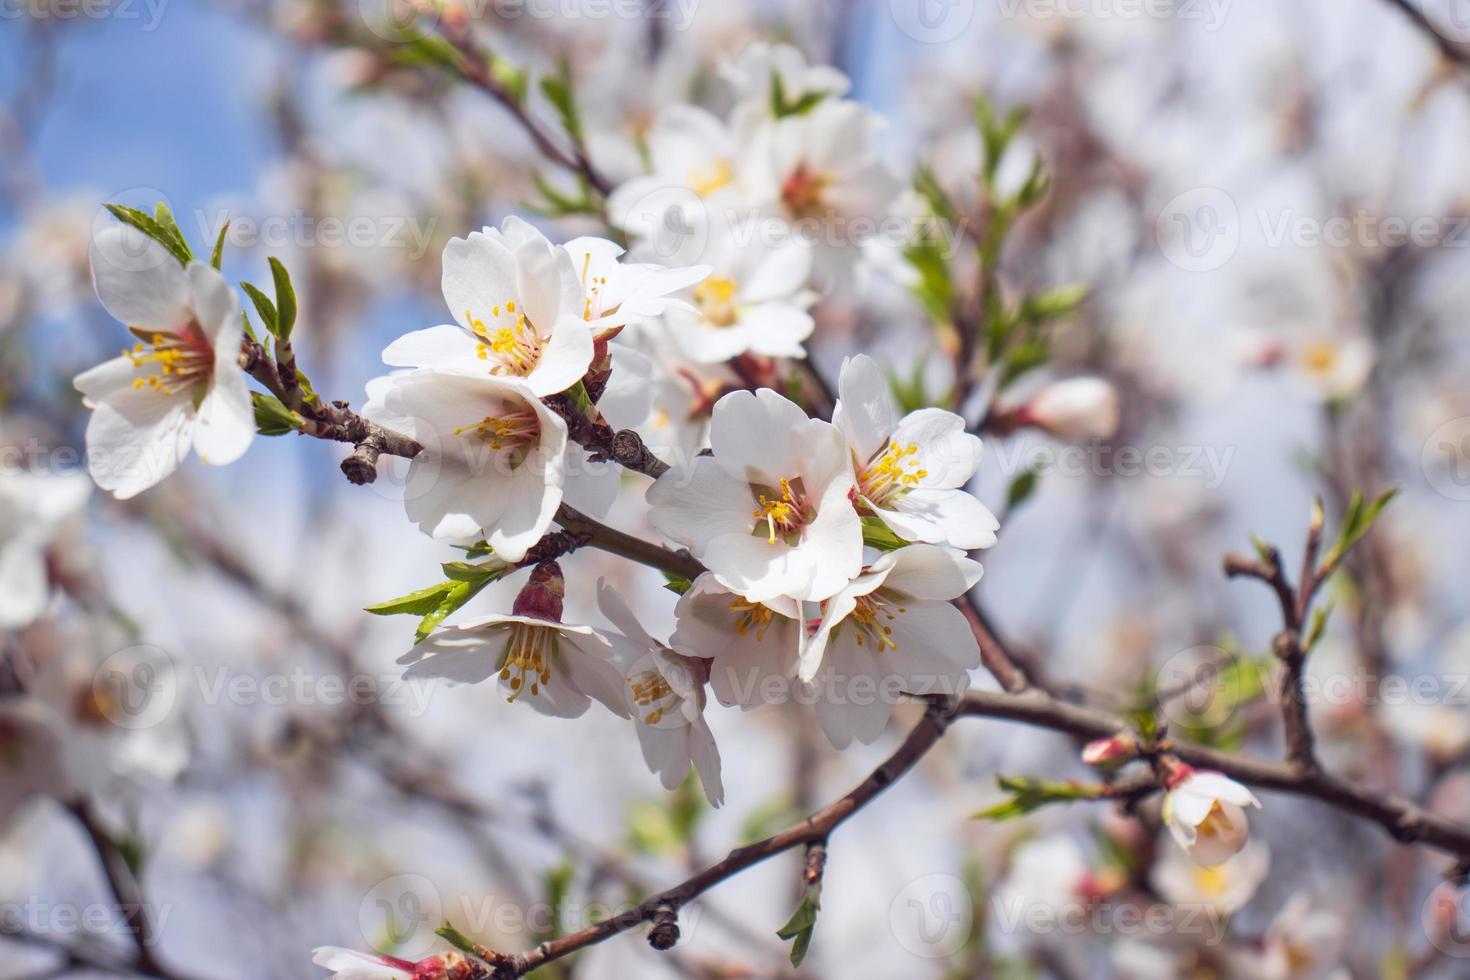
692 157
34 509
1205 812
349 964
770 512
1227 886
761 66
754 302
180 385
911 471
554 667
753 647
493 461
665 690
891 630
519 307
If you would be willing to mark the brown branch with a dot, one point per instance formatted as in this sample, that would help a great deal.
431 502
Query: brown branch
1451 50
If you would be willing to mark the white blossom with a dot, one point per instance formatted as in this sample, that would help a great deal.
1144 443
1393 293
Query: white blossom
770 513
1181 880
1075 409
753 647
665 692
891 630
34 509
1205 812
493 459
180 385
911 471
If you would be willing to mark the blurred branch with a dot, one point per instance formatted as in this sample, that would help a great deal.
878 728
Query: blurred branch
1451 50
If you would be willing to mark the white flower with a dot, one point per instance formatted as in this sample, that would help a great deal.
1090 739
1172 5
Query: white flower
493 459
770 512
891 630
911 472
1049 872
1205 813
349 964
665 692
692 157
181 385
34 509
753 647
519 306
754 301
1330 368
1076 410
819 171
553 667
617 293
754 74
1302 943
1180 880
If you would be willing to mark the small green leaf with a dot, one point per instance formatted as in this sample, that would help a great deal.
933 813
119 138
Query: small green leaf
455 938
514 80
1356 523
802 924
149 226
1022 487
217 257
1053 303
1028 795
560 92
878 535
272 418
263 306
677 584
418 603
285 300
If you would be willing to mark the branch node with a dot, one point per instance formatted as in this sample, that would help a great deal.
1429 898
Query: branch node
665 931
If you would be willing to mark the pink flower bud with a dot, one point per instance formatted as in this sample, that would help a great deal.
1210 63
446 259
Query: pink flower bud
1112 751
542 596
1076 410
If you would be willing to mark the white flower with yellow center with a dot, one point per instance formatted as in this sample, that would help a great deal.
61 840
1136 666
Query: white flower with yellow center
692 159
519 307
616 293
1205 812
1182 881
555 668
770 513
753 647
891 631
1331 368
35 508
665 690
755 301
819 172
911 471
180 385
493 461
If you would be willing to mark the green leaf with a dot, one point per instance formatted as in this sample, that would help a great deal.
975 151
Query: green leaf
677 584
285 300
802 924
1053 303
165 219
272 418
455 938
436 603
514 80
217 257
1029 795
1356 523
263 306
1320 615
559 91
149 226
878 535
418 603
1022 487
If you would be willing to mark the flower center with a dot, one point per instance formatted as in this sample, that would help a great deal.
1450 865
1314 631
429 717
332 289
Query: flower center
704 181
750 615
528 659
652 695
509 339
1211 881
171 362
716 300
870 619
1216 823
782 513
892 474
802 191
512 431
593 288
1319 356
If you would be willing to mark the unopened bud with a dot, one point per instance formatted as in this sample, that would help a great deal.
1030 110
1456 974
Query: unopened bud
542 596
1076 410
1112 751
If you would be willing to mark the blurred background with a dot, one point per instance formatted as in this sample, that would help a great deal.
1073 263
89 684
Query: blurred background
1268 206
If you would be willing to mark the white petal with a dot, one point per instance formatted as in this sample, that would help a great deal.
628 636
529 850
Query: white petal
226 421
865 412
437 347
138 280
